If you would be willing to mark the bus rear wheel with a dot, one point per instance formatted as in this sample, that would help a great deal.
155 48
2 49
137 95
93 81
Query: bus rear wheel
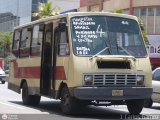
135 106
29 99
68 103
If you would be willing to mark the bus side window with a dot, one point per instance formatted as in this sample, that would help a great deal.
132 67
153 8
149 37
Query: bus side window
63 44
25 42
16 39
37 40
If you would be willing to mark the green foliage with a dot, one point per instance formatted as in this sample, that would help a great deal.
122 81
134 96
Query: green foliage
5 42
119 11
143 29
45 10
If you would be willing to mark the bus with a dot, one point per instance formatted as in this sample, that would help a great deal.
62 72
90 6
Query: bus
81 58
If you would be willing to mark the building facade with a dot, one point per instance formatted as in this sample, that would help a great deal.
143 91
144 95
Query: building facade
16 12
147 10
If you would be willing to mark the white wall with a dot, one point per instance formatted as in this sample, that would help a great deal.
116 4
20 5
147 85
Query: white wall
154 47
66 5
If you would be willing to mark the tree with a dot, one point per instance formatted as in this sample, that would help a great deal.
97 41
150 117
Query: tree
143 29
119 11
5 42
45 10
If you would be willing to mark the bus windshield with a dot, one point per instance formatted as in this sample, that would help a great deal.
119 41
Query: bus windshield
106 35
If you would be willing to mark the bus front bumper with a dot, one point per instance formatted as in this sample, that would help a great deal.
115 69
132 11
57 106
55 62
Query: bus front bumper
112 93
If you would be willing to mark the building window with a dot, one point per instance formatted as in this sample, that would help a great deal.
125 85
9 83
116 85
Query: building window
157 21
136 12
150 21
150 11
157 11
143 12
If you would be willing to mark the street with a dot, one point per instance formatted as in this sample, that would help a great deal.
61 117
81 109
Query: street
11 107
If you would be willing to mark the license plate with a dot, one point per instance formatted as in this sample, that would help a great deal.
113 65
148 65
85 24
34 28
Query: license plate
117 92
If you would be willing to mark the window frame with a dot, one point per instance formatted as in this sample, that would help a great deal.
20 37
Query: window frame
32 47
57 33
16 51
25 51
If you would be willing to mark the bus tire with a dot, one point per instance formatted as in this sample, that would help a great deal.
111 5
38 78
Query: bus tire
35 100
29 99
68 103
148 103
26 98
135 106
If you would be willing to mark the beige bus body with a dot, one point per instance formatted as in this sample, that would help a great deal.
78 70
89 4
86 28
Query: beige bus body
104 83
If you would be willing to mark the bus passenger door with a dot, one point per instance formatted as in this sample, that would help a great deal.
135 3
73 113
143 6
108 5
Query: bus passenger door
46 60
60 54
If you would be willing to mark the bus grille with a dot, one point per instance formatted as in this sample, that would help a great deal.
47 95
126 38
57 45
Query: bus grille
115 79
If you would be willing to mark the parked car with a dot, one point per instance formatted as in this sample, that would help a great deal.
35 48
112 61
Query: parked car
156 88
2 76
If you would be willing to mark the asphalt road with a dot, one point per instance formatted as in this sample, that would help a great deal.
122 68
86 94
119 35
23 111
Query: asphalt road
11 108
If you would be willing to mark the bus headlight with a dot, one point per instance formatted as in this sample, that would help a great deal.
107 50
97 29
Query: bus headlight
140 79
88 79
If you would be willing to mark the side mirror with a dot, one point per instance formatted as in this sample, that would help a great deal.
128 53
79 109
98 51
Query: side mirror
62 26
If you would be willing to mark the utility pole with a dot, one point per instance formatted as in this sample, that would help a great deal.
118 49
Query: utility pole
131 7
17 18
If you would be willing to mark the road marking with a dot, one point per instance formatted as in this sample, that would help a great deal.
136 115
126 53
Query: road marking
7 104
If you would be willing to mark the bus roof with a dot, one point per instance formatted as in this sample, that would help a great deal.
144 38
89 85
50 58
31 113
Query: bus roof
71 14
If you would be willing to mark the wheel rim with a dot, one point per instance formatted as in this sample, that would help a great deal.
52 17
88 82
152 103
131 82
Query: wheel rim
65 100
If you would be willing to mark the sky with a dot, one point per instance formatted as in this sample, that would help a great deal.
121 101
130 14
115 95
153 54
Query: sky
66 5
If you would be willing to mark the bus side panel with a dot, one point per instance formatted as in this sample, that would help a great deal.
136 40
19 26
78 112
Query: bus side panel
67 71
28 70
62 66
13 83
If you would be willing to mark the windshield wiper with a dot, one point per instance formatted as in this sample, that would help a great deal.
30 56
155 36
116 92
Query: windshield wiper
100 52
128 53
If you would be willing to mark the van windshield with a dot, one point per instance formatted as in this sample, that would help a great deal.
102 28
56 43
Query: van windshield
92 34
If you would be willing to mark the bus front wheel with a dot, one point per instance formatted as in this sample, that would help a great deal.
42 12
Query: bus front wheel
68 103
135 106
29 99
148 103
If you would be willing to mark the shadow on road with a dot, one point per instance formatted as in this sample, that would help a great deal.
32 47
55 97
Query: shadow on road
155 107
90 112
